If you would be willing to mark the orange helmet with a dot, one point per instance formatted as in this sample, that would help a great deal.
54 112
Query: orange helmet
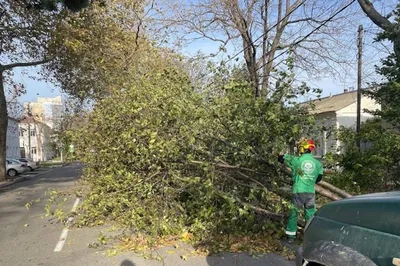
306 144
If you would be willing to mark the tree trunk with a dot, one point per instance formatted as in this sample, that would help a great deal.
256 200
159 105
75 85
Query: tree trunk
337 190
264 14
243 25
3 129
326 193
374 15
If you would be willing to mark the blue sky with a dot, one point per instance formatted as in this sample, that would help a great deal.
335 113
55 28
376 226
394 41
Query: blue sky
34 88
330 85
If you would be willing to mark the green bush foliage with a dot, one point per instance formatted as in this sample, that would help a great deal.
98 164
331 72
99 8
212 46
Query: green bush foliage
375 167
164 159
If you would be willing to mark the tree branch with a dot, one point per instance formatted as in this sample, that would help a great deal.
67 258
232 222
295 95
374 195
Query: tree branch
337 190
271 215
374 15
305 20
24 64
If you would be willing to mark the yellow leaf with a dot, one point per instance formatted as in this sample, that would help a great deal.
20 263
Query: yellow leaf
171 251
186 236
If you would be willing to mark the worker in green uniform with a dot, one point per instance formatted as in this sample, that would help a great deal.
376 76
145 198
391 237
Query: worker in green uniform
306 172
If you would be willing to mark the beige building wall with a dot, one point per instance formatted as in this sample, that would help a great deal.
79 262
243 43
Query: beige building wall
38 109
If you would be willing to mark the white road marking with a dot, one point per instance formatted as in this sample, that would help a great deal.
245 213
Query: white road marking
64 233
61 241
75 205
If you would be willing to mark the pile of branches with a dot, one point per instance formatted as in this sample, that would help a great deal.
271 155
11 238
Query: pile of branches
243 177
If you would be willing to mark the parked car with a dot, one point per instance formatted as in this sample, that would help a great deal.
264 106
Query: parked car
31 164
362 230
14 168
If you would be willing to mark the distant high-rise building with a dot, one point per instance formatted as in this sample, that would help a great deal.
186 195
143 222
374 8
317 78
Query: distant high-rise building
45 110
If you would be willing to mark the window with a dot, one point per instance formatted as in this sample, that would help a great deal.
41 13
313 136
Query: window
33 150
33 133
21 133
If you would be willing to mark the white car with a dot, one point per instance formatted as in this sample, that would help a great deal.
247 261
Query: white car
31 164
15 168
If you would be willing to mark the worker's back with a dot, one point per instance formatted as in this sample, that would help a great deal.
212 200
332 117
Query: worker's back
306 170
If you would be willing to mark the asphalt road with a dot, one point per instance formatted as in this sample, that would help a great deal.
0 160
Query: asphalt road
28 237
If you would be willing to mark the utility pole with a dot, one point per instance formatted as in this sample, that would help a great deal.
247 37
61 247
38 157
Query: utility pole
29 140
29 113
359 68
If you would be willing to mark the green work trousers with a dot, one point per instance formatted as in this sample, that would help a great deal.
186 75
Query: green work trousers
300 201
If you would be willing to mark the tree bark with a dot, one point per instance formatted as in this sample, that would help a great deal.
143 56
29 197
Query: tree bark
3 128
265 46
337 190
326 193
4 112
282 22
383 23
374 15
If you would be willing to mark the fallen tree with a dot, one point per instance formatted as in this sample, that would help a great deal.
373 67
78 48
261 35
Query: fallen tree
174 162
334 189
323 188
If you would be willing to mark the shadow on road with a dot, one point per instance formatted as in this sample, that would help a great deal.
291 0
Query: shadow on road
21 199
228 259
127 263
53 176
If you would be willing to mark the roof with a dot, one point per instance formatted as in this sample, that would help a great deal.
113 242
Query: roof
30 120
333 103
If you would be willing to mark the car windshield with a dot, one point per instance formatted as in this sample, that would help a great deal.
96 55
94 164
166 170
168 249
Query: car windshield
14 161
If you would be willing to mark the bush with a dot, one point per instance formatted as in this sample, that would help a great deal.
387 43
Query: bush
373 169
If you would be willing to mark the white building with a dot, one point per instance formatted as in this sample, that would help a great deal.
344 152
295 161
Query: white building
12 142
335 111
35 139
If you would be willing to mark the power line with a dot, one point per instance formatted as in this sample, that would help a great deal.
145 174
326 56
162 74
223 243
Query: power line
310 33
266 32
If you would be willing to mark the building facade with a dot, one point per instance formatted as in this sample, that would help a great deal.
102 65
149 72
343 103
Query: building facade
45 110
35 140
338 111
12 142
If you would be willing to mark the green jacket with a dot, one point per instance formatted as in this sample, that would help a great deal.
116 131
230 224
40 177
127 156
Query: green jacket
305 171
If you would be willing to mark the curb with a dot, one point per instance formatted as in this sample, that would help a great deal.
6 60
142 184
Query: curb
23 178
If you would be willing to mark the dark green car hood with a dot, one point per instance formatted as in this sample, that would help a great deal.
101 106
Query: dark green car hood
379 211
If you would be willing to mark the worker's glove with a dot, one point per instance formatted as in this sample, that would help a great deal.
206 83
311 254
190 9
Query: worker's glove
319 178
281 159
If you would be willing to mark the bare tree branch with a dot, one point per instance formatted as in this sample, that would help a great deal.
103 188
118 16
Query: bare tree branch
25 64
